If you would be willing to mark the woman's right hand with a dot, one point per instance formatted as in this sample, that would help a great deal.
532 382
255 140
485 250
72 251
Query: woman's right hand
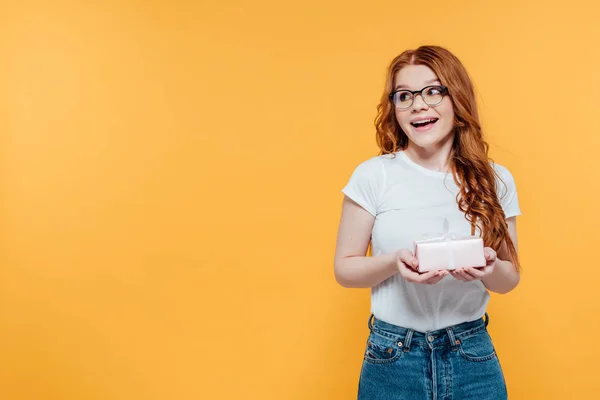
407 264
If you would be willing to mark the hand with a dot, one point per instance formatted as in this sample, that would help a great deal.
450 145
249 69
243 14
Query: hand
407 265
471 273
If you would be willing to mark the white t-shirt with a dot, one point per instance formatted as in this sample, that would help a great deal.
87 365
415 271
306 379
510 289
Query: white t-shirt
409 201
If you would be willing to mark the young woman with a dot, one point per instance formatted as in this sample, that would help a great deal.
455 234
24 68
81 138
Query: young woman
428 331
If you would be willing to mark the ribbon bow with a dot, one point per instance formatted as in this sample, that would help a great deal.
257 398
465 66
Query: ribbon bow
444 237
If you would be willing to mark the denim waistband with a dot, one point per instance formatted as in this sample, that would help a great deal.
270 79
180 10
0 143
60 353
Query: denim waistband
451 334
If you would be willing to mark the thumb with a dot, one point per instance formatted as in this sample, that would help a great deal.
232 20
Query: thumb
489 254
405 256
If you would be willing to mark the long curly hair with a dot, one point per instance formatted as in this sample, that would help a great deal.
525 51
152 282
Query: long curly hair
469 161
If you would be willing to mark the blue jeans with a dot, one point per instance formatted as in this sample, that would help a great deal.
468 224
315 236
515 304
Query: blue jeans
458 362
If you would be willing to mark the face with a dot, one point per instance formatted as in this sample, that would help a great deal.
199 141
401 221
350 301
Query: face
427 135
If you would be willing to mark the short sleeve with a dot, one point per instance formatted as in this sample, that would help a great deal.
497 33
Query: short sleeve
507 192
366 184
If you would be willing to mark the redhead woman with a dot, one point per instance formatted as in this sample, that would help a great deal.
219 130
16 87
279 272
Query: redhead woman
428 335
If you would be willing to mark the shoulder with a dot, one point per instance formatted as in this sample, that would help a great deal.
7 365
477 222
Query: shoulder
377 160
367 183
372 166
371 172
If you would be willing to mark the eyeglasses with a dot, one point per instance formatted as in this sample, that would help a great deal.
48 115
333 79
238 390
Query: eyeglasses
431 95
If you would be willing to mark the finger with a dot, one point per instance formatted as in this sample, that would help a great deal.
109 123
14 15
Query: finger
422 278
465 277
407 273
490 254
487 269
408 259
405 255
454 272
474 273
458 276
406 269
438 277
415 277
432 281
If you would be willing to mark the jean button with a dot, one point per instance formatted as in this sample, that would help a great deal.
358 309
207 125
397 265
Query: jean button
430 338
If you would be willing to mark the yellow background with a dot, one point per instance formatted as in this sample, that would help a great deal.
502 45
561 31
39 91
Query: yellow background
171 175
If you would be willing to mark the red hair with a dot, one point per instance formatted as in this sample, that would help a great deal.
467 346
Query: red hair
469 160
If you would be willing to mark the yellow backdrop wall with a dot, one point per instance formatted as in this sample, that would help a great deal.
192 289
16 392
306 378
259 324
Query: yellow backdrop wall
171 175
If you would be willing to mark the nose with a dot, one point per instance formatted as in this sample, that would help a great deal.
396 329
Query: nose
419 103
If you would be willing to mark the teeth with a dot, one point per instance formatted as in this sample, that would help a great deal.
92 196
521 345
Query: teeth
425 121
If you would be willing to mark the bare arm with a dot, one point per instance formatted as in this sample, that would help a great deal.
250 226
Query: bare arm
504 276
499 275
352 268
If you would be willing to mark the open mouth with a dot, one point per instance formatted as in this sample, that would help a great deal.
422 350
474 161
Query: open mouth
425 124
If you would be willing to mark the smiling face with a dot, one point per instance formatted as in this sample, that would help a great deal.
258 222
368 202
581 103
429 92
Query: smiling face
426 126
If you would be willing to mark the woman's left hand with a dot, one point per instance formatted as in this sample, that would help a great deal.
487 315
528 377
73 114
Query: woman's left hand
471 274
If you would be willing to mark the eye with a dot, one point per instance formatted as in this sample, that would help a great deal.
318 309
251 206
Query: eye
433 91
404 96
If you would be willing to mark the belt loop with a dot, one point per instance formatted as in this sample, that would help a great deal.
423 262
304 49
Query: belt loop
453 341
487 319
370 321
408 340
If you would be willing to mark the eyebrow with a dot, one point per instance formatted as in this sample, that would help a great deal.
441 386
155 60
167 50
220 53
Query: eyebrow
428 82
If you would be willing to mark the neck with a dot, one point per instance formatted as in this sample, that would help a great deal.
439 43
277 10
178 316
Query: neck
436 158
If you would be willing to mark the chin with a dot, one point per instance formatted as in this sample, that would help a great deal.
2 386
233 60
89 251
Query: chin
428 139
425 142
